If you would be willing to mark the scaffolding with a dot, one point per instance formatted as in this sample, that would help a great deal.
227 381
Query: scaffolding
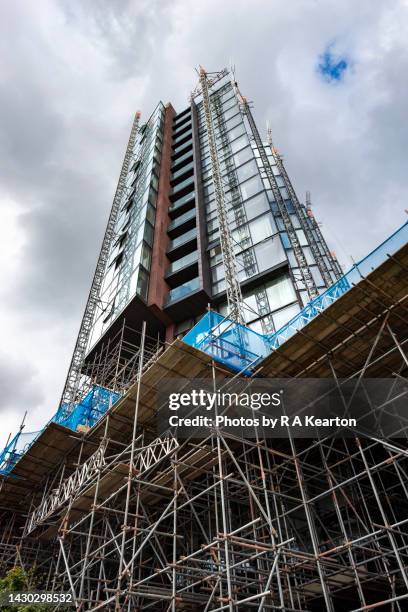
127 519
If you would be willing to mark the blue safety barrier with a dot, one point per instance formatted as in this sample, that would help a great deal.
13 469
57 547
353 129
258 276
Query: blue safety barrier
232 344
15 449
87 413
89 410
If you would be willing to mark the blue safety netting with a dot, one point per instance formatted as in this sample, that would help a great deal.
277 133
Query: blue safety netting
241 348
15 448
87 412
229 343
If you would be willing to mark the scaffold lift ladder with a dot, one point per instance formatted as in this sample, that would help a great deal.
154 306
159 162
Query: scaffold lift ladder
312 242
306 276
233 288
70 390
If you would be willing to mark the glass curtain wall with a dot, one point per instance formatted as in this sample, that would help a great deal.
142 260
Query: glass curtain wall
128 267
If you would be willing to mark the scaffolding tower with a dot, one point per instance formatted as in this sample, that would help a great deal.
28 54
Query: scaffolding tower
126 518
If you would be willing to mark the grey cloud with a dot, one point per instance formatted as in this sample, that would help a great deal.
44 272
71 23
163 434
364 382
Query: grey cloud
19 384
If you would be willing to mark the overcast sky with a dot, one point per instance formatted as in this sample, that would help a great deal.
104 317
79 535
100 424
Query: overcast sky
72 75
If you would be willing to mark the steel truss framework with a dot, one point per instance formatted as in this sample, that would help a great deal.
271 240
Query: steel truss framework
226 523
74 376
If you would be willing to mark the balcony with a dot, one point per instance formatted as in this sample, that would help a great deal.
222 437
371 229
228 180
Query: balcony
186 136
182 223
181 149
184 170
183 158
183 290
180 240
183 187
183 269
183 262
180 129
182 204
183 116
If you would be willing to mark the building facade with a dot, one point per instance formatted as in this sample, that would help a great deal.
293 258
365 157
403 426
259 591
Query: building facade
165 264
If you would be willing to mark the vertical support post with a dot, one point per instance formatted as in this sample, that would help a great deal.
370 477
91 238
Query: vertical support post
131 468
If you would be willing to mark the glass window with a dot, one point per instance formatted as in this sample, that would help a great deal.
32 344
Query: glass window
247 170
218 287
285 240
280 292
230 112
137 254
215 255
305 297
243 156
262 228
231 123
142 283
280 224
241 238
301 237
269 253
256 205
291 257
238 143
218 272
145 256
250 309
148 234
229 104
227 94
283 316
208 189
246 264
150 214
308 255
317 277
251 187
295 221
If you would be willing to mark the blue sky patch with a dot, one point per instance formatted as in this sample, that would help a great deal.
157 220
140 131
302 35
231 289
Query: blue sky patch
332 67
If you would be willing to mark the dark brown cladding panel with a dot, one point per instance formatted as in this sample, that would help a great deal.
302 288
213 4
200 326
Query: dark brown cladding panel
203 266
158 288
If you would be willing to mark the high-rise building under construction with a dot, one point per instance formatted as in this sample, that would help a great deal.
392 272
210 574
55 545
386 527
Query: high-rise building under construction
164 258
212 269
